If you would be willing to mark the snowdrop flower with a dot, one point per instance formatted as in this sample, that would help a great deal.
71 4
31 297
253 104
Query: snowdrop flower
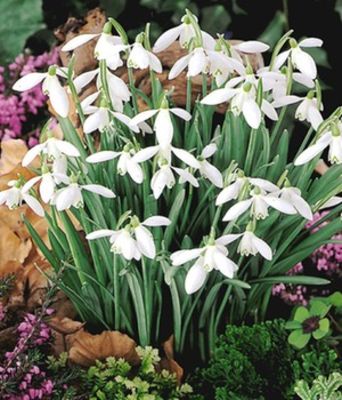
251 244
206 169
185 32
134 240
163 126
331 139
108 46
50 87
306 111
17 194
197 62
71 195
247 47
140 58
333 201
242 100
53 148
214 255
259 203
292 195
118 90
299 58
233 190
126 162
48 182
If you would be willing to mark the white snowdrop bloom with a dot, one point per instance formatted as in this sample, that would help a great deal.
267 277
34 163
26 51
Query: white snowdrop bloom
247 47
48 183
50 87
214 255
185 32
140 58
251 244
17 194
206 169
221 66
53 148
242 100
307 109
126 162
292 195
162 178
233 190
163 126
258 203
71 195
60 166
333 201
108 46
197 62
134 240
300 59
331 139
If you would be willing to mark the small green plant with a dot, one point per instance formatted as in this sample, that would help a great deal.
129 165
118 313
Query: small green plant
323 388
257 362
116 379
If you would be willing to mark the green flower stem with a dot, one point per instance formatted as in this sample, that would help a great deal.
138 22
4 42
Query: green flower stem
250 151
116 292
154 91
148 295
204 84
188 103
104 83
132 89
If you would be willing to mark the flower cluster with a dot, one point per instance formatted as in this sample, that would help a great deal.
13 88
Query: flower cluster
16 108
231 202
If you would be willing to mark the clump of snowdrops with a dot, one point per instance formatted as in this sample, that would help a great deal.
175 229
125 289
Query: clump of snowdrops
188 223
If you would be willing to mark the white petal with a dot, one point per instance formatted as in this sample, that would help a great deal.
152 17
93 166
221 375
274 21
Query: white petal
146 154
211 173
145 242
163 127
181 113
269 110
228 193
311 42
226 266
303 79
67 148
312 151
83 80
279 204
252 46
143 116
58 97
34 204
209 42
286 100
237 210
195 278
302 206
333 201
179 66
32 154
186 157
47 187
95 121
280 59
234 81
66 197
315 117
209 150
166 39
219 96
304 62
183 256
197 62
186 176
155 63
102 156
29 81
78 41
252 113
101 233
263 184
263 248
135 171
99 189
157 220
226 239
29 184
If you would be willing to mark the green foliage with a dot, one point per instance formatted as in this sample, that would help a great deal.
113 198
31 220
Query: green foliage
19 19
256 362
116 379
6 284
323 388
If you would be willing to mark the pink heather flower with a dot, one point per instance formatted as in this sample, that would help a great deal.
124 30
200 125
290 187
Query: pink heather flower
326 259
